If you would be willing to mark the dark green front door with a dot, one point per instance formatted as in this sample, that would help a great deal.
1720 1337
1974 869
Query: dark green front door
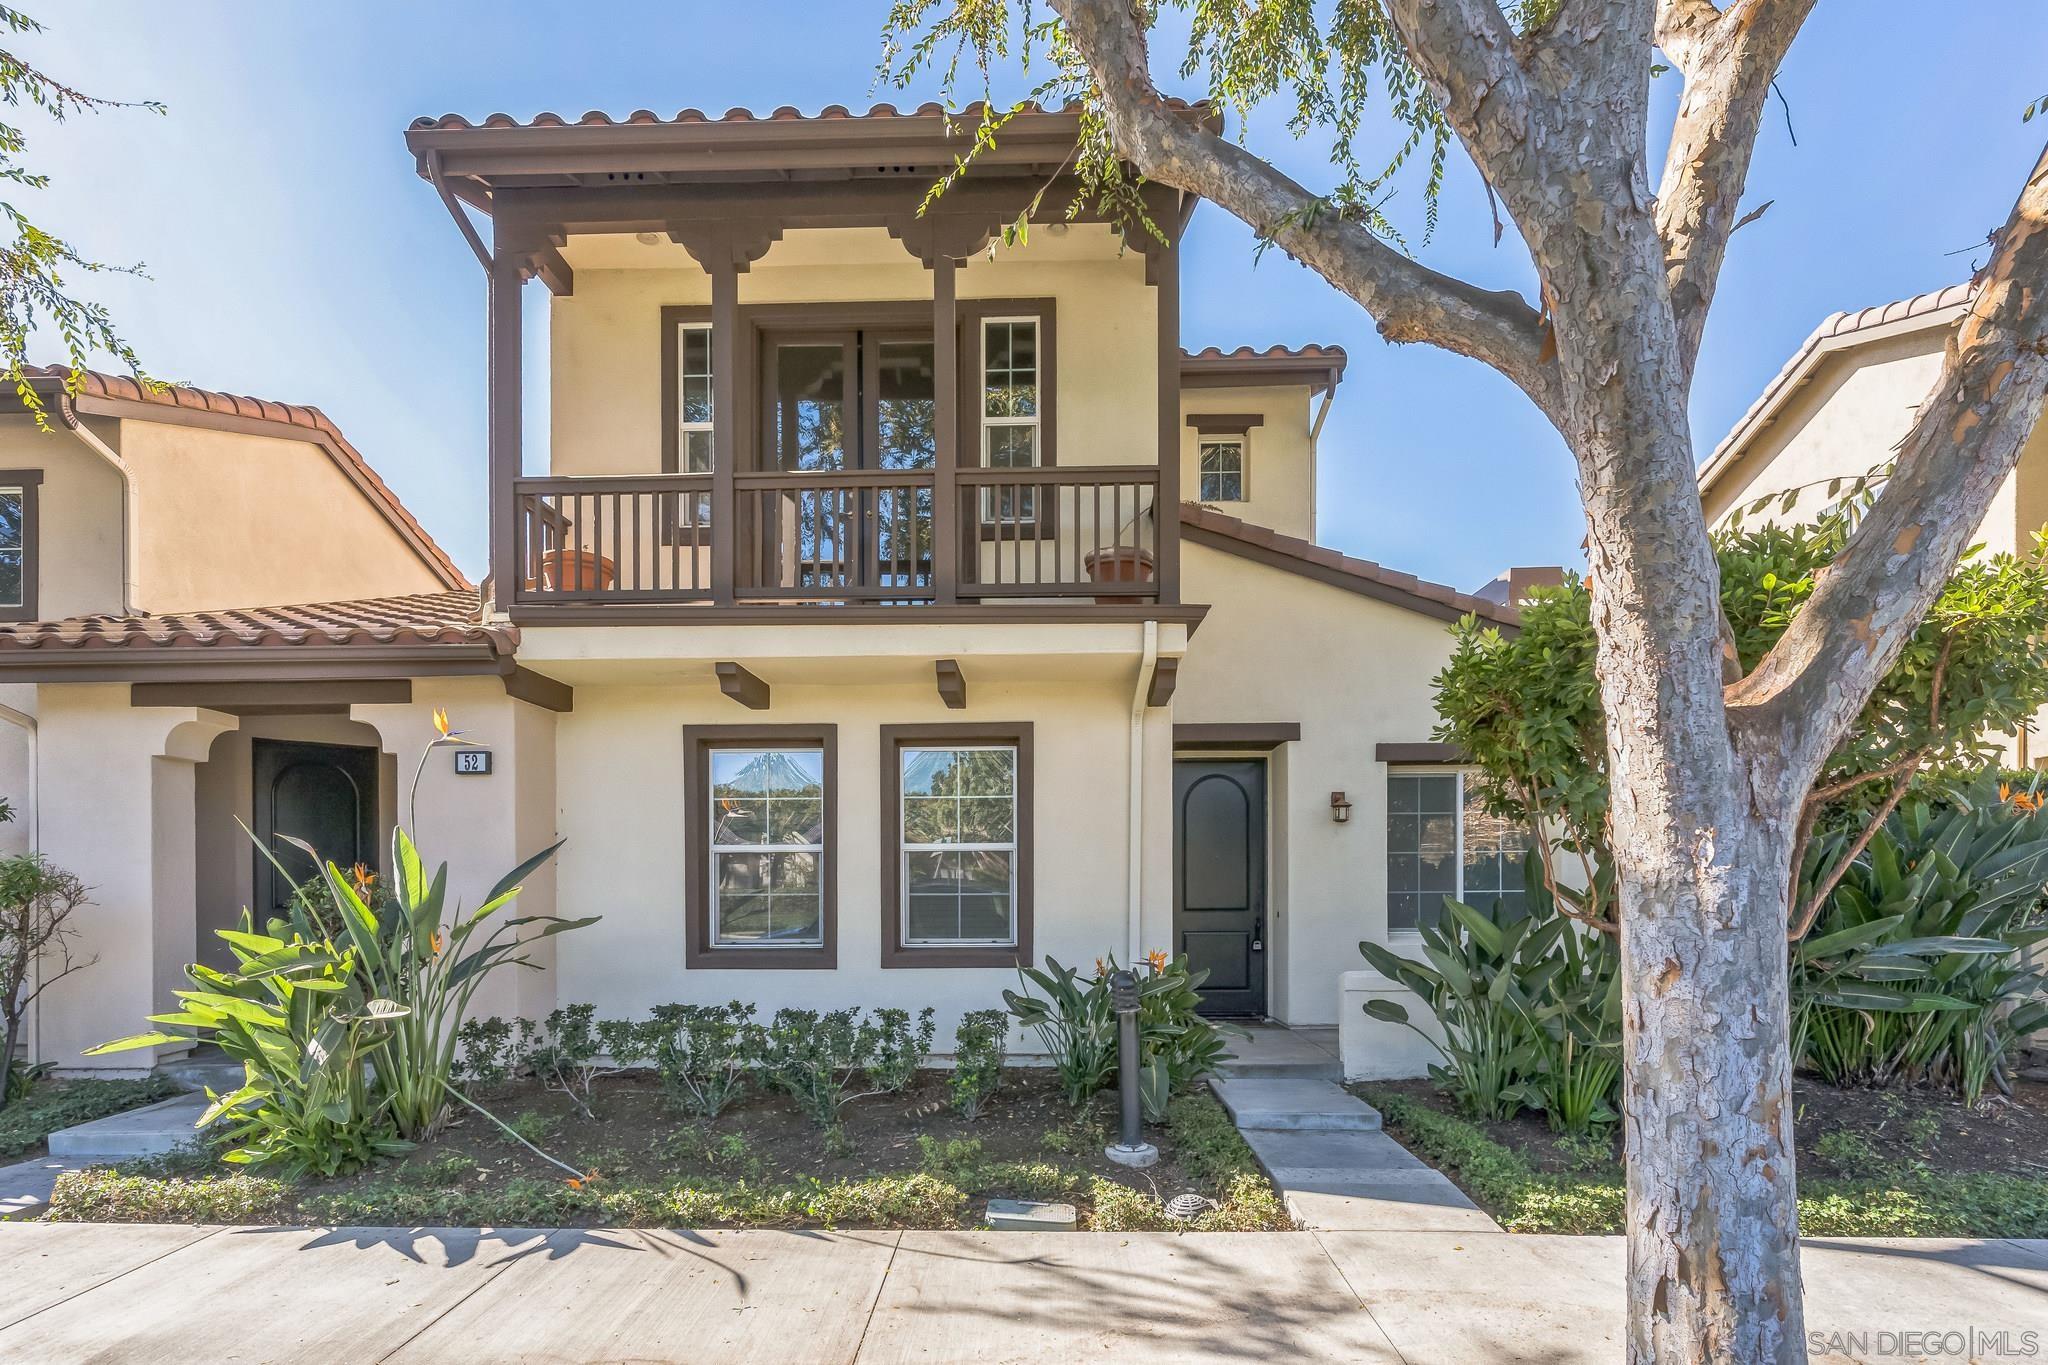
1219 879
324 794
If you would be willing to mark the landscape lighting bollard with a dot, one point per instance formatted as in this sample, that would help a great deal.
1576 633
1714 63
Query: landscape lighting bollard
1131 1149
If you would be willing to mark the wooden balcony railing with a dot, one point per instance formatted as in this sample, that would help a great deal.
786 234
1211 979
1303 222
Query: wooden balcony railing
842 537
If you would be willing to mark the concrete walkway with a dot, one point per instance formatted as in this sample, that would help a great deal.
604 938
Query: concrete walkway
135 1293
1338 1172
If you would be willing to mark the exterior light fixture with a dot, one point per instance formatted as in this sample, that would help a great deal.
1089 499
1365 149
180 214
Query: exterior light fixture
1130 1149
1340 808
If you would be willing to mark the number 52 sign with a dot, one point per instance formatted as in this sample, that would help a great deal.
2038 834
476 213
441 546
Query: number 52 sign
472 762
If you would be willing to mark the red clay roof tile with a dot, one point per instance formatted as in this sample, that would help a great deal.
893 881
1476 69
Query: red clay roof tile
444 618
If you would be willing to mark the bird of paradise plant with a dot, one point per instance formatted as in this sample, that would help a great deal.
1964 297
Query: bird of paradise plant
359 1027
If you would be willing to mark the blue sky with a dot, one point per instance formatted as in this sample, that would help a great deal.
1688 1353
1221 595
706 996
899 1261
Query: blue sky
294 254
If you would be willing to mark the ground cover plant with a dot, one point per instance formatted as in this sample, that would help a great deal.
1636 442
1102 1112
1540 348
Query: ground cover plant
1872 1163
51 1105
904 1159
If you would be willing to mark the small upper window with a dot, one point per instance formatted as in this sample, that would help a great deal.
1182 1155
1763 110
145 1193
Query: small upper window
1442 842
1010 434
1222 471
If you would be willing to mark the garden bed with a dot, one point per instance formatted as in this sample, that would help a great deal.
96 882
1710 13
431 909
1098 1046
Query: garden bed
54 1105
1872 1163
897 1161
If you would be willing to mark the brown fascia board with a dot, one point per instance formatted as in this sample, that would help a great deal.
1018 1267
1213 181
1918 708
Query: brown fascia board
1320 368
503 150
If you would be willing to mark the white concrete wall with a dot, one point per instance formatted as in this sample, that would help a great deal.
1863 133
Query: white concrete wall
1354 673
620 763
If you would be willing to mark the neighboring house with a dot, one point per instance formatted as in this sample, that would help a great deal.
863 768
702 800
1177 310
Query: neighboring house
898 607
1840 408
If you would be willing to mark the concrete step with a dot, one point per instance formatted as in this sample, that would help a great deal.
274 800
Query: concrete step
1292 1104
222 1077
1275 1052
149 1131
25 1186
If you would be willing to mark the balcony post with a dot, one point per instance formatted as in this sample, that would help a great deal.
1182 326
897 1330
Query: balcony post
1164 267
946 422
725 350
503 341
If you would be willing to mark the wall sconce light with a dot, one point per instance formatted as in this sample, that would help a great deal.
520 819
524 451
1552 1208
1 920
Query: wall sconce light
1340 809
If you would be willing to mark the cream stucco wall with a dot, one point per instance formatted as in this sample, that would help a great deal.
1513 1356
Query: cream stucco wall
79 507
1280 475
227 519
605 376
621 773
1354 673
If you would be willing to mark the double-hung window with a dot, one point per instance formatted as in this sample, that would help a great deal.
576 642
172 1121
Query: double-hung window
1222 469
760 805
1011 408
1442 842
693 391
957 848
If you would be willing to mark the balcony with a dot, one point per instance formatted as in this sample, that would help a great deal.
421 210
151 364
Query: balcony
632 547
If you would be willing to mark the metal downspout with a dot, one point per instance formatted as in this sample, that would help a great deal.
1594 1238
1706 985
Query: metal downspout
1134 874
77 427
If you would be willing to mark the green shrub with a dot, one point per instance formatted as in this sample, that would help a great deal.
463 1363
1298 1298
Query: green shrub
979 1045
815 1057
572 1049
1076 1023
1915 970
706 1053
108 1196
899 1049
1530 1007
39 903
489 1052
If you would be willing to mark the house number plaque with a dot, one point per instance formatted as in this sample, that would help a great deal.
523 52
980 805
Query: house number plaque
473 762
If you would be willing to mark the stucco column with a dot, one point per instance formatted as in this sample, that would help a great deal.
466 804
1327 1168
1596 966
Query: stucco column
118 810
481 826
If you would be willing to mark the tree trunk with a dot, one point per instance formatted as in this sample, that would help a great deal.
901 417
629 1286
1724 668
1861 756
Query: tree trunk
1713 1250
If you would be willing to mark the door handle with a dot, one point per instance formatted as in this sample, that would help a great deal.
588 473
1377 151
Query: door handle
1259 934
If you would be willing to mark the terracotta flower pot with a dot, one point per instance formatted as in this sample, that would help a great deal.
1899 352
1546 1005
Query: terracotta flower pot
575 571
1119 564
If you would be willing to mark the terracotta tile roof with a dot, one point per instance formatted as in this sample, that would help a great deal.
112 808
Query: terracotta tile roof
1363 576
1938 308
1312 352
442 618
785 114
183 399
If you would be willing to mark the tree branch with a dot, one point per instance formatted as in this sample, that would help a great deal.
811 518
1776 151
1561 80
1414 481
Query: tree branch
1407 300
1728 61
1803 697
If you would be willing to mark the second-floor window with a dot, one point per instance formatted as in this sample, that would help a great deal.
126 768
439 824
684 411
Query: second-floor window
693 414
1223 470
18 489
1010 407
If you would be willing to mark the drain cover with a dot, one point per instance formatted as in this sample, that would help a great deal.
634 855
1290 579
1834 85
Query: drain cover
1187 1206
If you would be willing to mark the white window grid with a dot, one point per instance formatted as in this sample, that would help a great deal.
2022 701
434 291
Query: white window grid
710 835
1027 501
1413 932
906 848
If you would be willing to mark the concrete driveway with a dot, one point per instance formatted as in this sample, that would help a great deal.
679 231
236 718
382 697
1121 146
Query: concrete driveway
175 1294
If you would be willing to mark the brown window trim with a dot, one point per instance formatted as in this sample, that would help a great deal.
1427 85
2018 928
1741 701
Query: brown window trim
29 481
974 313
674 317
1242 437
894 951
699 954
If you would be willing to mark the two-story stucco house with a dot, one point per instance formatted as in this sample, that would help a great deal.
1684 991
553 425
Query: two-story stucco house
1840 407
896 606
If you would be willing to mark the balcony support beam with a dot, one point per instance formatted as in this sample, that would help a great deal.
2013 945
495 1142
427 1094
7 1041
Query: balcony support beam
502 369
1162 266
952 684
946 424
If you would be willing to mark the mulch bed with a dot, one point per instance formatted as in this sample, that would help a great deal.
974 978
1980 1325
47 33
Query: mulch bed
637 1137
1887 1129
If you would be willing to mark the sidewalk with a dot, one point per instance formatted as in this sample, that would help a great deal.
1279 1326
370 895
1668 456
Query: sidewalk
344 1295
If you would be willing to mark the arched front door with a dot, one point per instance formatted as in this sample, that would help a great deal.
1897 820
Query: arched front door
1219 879
325 794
